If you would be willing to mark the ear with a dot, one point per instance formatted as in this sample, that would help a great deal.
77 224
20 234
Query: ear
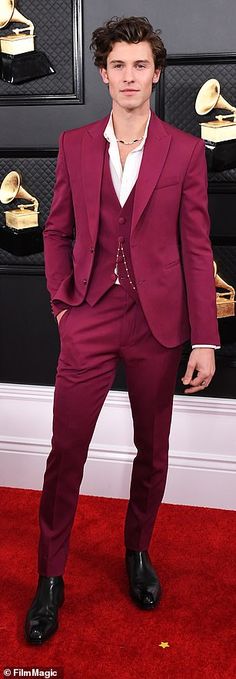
104 75
156 75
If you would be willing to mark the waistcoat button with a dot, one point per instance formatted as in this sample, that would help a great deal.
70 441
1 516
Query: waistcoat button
85 281
121 220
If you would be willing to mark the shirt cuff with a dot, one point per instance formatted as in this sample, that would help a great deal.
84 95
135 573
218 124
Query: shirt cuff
208 346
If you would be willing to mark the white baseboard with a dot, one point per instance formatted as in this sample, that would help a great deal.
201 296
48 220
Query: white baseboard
202 459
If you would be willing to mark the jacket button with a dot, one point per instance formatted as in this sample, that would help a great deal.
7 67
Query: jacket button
92 249
85 281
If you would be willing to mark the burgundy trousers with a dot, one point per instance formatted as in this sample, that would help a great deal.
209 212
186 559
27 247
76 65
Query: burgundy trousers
93 339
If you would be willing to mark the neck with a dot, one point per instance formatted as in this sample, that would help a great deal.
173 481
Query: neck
129 124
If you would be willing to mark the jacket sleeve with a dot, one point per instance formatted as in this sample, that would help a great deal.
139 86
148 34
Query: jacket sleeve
197 252
58 232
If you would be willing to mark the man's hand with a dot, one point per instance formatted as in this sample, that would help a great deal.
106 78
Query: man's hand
59 316
202 360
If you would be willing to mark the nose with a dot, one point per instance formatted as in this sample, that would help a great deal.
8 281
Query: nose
128 75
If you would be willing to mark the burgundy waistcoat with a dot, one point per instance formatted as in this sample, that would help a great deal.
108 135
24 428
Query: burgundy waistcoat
114 227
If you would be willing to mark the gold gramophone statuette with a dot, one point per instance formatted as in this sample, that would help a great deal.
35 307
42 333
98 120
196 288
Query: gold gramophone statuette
20 61
225 301
222 127
25 215
19 41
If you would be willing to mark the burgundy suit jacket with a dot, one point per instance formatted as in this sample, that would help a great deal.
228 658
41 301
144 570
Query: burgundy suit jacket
170 247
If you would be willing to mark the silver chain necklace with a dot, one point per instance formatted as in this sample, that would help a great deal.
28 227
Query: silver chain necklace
129 143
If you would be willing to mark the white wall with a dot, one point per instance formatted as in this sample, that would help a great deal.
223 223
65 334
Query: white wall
202 462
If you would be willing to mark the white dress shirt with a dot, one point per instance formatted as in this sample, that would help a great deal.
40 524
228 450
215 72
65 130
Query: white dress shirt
124 178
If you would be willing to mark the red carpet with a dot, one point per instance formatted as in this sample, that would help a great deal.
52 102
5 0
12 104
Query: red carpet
102 634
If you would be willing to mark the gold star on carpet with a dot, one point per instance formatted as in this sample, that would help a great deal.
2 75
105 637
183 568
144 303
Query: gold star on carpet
164 644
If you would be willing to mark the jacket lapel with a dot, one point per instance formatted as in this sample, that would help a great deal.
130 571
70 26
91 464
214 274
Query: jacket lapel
93 157
154 155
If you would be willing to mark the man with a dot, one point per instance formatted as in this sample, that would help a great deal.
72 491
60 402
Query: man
130 272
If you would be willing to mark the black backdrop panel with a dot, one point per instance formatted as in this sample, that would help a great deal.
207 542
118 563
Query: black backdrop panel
29 341
222 214
179 86
58 34
38 176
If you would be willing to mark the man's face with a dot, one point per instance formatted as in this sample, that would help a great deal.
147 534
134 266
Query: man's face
130 74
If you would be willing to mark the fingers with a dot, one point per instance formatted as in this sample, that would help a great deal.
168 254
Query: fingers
199 383
187 378
200 387
202 362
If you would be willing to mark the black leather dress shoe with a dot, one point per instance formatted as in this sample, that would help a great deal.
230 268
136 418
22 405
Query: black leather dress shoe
144 585
42 617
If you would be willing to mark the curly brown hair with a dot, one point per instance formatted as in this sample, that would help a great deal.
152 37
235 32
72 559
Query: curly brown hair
128 29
